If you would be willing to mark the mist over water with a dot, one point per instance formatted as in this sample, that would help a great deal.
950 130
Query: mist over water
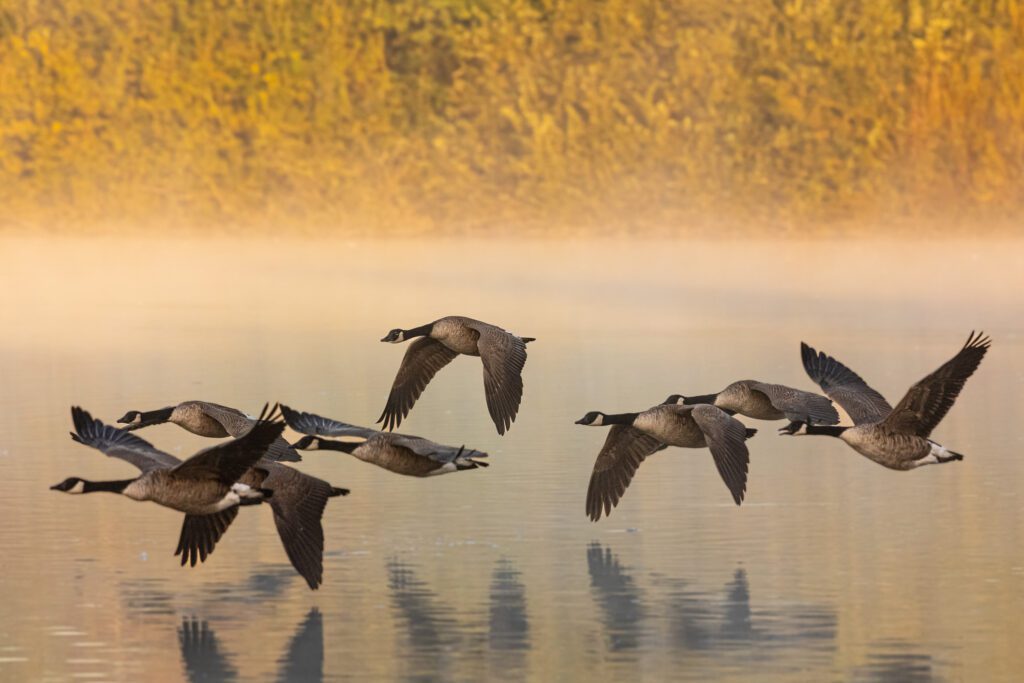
833 569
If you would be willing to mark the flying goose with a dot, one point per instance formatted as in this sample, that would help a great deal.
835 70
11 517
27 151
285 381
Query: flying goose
206 419
502 353
763 401
409 455
297 499
634 436
896 438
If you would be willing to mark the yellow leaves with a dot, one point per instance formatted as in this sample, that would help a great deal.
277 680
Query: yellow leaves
533 109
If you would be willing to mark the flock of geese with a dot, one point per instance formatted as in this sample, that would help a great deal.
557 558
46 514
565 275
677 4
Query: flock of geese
213 484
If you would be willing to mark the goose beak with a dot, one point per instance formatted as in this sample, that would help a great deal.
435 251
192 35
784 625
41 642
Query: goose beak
580 421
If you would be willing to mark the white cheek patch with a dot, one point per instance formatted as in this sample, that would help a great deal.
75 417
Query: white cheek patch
598 422
802 431
77 488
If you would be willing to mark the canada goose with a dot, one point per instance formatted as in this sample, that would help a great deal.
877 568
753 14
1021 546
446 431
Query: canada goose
634 436
409 455
297 499
503 355
204 486
763 401
206 419
896 438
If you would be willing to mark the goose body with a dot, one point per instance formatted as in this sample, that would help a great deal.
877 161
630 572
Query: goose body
297 499
897 438
763 401
409 455
207 419
635 436
502 353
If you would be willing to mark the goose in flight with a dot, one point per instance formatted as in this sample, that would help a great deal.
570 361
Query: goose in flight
503 355
896 438
763 401
206 419
635 436
297 499
409 455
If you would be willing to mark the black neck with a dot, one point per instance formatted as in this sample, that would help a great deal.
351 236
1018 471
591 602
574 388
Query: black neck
695 400
109 486
421 331
619 419
153 417
828 431
343 446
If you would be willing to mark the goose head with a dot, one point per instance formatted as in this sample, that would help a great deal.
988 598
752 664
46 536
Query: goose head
70 485
307 443
675 399
594 418
395 336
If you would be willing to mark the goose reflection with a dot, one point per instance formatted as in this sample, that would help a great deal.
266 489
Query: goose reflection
620 600
435 635
509 626
702 621
201 653
429 624
205 661
896 662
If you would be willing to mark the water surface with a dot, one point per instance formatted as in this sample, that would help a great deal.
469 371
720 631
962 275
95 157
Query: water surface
833 569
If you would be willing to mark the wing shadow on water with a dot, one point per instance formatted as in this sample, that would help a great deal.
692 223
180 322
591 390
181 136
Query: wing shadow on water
434 636
700 621
896 662
620 600
204 660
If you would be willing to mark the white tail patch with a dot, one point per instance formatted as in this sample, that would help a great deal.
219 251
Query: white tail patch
245 491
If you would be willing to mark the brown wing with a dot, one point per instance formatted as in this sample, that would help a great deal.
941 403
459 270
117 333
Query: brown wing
799 405
726 438
200 533
844 386
503 355
419 365
623 451
298 502
228 461
236 423
928 401
118 443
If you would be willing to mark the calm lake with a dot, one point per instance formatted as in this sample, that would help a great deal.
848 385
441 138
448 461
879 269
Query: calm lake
833 569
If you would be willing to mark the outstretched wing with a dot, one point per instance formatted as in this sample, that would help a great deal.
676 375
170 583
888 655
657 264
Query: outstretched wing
435 451
844 386
799 405
726 438
298 503
236 423
200 533
419 365
503 355
118 443
228 461
928 401
315 425
623 451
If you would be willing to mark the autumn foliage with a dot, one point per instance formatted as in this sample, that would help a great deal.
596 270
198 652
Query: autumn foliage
456 115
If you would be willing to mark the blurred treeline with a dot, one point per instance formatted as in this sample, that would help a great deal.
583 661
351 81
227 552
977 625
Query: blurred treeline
460 114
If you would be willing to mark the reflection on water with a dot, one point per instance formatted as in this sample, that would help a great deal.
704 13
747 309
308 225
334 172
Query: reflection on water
509 626
201 653
205 661
833 568
896 662
620 600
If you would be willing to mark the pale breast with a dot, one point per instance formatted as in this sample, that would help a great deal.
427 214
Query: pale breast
740 398
670 425
191 416
456 335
